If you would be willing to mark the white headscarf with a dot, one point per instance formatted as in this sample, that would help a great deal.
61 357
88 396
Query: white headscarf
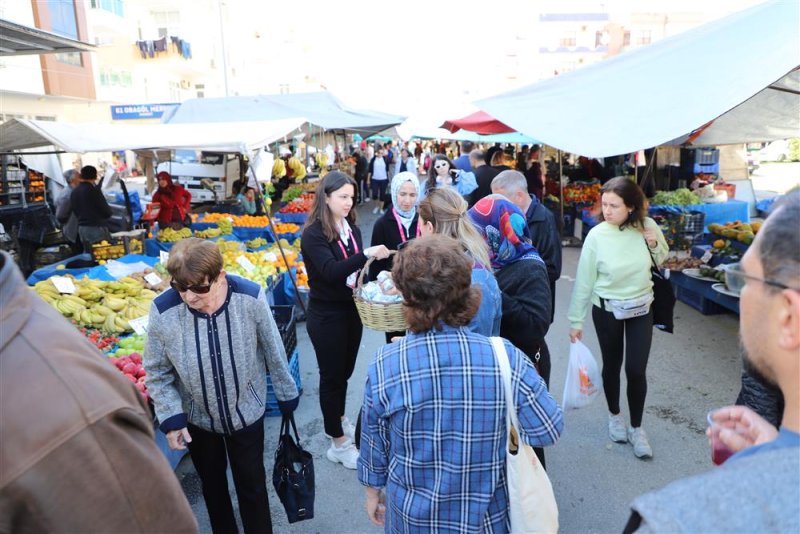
397 182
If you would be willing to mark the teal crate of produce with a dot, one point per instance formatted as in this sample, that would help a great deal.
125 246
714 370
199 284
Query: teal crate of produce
272 401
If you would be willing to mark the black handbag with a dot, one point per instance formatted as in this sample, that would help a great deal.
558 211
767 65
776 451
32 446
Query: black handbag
293 474
663 297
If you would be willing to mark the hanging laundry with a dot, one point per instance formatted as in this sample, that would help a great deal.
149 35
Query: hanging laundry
160 45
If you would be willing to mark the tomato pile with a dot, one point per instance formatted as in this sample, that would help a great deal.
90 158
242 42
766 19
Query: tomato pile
301 204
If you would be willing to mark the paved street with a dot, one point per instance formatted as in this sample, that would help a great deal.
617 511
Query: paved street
690 372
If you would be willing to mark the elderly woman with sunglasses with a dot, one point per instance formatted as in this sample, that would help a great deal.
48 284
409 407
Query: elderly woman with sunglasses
211 341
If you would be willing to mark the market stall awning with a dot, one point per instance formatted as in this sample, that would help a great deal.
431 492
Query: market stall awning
16 39
321 109
23 134
479 122
737 73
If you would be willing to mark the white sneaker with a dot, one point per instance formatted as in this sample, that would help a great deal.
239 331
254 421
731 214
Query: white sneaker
346 454
349 429
641 447
617 430
375 210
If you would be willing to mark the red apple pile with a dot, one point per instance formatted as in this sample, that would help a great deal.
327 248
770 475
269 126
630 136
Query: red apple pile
131 366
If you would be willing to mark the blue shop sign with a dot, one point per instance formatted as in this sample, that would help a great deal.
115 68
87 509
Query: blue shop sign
139 111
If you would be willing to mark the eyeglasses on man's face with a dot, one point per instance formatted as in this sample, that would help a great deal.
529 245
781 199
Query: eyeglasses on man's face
736 279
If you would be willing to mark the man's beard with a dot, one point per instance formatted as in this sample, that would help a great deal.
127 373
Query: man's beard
751 368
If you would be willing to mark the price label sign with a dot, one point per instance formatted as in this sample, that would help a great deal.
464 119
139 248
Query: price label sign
163 257
140 324
153 279
270 256
707 256
63 284
246 264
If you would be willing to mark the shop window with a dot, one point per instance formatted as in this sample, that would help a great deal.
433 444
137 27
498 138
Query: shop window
644 37
62 19
116 7
64 22
626 39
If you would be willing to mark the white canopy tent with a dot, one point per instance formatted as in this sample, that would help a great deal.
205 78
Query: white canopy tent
740 74
18 135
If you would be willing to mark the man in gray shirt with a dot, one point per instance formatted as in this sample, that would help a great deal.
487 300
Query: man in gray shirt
758 488
64 214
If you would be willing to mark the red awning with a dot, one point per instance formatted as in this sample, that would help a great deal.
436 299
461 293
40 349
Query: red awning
479 122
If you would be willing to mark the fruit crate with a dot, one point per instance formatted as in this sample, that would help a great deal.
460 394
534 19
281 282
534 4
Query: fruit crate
111 249
132 240
699 302
287 326
271 402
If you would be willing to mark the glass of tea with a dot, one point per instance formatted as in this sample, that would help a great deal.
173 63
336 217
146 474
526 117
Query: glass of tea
719 451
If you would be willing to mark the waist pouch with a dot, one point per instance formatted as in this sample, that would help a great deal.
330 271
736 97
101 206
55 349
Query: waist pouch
629 308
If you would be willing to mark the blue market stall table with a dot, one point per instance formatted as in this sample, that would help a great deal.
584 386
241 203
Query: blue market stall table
721 213
700 295
732 210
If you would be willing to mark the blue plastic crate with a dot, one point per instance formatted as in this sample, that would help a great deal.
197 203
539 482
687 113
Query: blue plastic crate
706 168
296 218
272 400
699 302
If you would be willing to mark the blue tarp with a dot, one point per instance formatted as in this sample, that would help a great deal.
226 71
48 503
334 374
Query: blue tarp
99 272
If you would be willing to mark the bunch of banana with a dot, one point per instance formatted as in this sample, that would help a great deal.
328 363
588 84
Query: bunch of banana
208 233
256 243
168 235
115 303
225 226
115 324
47 291
69 305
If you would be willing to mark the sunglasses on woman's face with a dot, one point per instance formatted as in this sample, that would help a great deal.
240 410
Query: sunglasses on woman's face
198 289
440 165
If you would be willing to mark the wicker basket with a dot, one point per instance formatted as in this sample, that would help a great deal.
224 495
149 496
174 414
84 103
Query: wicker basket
381 316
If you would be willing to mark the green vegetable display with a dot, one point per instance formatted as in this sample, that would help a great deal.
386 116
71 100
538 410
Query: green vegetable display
679 197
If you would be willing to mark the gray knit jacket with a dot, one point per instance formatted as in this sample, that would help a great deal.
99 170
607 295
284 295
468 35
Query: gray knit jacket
757 493
211 370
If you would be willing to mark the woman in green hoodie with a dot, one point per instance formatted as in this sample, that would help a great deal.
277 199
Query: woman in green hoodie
614 275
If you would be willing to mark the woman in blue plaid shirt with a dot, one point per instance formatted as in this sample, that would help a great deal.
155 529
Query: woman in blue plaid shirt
434 433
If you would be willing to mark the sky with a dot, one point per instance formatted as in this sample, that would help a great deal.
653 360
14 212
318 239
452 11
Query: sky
413 56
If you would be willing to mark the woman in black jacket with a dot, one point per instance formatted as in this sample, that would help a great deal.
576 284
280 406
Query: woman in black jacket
522 277
397 226
333 253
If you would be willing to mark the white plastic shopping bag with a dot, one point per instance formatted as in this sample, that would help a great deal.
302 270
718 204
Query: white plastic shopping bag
584 381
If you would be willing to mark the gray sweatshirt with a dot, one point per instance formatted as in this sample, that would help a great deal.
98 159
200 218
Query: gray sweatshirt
757 493
211 370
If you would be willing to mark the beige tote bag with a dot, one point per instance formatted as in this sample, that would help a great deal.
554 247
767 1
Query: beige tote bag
532 505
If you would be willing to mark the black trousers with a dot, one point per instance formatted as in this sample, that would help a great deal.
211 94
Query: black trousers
335 331
543 366
245 451
631 337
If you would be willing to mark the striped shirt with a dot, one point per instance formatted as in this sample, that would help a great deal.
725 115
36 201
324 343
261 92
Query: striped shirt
434 430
